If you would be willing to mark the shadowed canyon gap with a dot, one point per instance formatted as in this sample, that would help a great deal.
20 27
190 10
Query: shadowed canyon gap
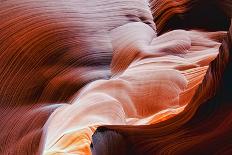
109 77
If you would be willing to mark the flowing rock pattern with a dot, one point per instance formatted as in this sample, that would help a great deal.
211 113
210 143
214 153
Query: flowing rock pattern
203 127
115 77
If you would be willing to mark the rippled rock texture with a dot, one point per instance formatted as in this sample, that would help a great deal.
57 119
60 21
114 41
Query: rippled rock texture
115 77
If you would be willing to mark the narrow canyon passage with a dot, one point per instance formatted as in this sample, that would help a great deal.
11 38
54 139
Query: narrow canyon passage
75 69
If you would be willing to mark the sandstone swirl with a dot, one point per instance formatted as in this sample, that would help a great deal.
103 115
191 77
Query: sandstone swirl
139 76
